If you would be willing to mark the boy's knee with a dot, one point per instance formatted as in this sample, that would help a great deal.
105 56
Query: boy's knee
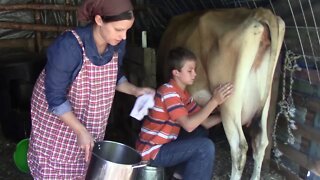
210 146
207 147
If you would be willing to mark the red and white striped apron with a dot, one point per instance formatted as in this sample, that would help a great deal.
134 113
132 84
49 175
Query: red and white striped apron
53 150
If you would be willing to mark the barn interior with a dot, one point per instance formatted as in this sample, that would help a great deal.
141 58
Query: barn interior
27 27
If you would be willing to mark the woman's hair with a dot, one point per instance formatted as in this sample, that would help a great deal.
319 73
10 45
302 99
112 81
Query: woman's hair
109 10
177 57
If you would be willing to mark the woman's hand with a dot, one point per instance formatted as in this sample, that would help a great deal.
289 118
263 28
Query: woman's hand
222 93
86 143
127 87
84 138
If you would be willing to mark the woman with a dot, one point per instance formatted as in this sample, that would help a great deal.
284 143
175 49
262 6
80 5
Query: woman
72 97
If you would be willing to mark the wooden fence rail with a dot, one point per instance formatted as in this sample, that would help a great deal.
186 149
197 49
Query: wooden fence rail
34 6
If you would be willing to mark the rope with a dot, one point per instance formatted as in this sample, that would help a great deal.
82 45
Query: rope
287 108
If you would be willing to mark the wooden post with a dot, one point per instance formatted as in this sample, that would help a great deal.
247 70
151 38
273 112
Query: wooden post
149 64
37 18
67 14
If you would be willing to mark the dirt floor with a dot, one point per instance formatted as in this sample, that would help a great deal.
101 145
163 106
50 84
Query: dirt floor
223 165
9 171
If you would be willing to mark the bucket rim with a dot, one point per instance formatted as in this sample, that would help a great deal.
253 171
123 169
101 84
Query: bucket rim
118 143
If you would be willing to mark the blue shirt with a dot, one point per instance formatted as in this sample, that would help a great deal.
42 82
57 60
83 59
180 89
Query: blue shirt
64 61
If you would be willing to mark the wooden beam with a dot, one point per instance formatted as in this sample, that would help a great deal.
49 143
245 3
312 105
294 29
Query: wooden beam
305 74
33 27
36 6
306 101
27 44
297 156
284 171
56 7
308 132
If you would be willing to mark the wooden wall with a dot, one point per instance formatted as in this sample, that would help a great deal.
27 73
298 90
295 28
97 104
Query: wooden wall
303 86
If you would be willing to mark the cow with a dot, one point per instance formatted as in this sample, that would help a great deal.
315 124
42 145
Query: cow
237 45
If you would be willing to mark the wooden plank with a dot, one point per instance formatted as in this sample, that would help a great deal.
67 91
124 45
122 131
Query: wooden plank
309 119
311 103
57 7
37 6
27 44
296 156
303 74
308 132
304 87
284 171
33 27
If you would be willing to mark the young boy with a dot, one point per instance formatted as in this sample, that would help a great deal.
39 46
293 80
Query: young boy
174 109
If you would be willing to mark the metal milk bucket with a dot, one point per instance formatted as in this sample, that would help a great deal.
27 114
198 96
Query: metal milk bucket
151 173
112 160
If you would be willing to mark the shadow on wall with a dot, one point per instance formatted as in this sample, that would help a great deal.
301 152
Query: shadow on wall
121 126
18 73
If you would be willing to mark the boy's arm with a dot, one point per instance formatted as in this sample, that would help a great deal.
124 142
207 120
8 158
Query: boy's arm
189 123
211 121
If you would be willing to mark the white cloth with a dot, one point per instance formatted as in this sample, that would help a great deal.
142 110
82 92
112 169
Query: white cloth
141 106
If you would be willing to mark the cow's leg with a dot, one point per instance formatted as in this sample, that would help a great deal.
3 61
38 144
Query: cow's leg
260 143
261 140
249 37
238 145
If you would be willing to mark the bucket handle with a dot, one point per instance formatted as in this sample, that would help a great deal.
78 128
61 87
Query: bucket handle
139 165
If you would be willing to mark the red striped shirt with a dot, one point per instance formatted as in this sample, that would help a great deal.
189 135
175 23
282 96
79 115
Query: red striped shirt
160 126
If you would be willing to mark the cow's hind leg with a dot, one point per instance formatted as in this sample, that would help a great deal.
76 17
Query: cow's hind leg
237 142
261 140
260 143
249 36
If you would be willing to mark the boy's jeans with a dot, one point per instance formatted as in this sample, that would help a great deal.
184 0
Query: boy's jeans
193 152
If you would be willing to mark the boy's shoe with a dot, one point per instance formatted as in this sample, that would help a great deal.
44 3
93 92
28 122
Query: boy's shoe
176 176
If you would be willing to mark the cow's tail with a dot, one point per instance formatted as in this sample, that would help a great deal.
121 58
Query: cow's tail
267 17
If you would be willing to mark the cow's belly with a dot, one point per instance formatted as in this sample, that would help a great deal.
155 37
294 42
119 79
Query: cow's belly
252 100
256 89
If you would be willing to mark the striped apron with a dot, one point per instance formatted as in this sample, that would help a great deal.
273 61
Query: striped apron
53 150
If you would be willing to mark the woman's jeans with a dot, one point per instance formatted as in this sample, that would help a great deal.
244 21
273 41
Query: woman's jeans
193 152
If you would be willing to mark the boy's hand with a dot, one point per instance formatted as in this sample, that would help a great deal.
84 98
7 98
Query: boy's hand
222 93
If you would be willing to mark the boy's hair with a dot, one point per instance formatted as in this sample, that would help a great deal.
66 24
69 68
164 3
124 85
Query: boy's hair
177 57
